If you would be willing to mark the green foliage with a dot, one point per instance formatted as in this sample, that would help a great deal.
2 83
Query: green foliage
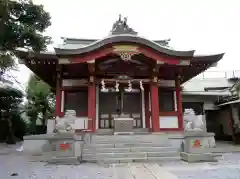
21 26
11 122
6 62
235 90
40 102
10 98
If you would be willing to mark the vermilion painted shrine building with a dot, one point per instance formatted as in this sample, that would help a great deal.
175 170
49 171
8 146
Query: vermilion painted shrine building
120 75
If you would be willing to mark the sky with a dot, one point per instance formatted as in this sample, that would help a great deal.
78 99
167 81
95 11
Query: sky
207 26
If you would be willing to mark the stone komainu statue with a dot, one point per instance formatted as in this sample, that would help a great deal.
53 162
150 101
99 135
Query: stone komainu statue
192 122
66 124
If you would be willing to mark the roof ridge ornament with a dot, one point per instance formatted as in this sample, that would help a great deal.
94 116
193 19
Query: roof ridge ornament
121 27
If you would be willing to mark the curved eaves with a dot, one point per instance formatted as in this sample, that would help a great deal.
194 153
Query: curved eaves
202 58
125 39
40 55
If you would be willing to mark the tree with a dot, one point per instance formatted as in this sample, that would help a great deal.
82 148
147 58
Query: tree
40 102
10 98
21 26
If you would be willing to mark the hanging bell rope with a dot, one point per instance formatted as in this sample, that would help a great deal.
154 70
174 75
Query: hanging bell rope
117 86
103 88
129 89
141 85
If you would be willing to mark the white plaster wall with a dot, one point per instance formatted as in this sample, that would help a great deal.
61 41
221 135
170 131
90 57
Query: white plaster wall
81 123
168 121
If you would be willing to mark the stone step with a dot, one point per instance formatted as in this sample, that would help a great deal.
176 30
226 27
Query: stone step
130 138
64 161
125 145
129 149
132 142
101 156
111 131
136 159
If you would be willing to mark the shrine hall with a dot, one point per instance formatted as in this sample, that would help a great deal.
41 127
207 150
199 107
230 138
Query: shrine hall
120 76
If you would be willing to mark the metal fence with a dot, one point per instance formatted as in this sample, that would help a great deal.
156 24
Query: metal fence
220 74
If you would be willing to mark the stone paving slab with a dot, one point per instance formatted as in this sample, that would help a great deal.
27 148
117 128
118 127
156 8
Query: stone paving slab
217 173
122 172
226 168
160 172
140 172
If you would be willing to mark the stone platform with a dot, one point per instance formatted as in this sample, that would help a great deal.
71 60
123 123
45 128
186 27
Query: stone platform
88 147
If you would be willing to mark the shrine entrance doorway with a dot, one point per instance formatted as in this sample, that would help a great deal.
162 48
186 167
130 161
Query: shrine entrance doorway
114 104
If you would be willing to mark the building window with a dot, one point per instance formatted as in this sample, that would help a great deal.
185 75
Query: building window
166 100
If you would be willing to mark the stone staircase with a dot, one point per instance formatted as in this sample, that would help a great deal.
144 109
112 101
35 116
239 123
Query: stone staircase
129 148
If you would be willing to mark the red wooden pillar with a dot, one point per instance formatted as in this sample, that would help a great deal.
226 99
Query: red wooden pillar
91 105
154 107
179 104
146 106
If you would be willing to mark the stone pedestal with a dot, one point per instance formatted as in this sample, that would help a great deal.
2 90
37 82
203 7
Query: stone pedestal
62 148
197 147
68 147
123 125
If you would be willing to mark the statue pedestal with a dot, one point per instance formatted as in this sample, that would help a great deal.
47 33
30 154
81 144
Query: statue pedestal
123 125
57 148
67 149
197 147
